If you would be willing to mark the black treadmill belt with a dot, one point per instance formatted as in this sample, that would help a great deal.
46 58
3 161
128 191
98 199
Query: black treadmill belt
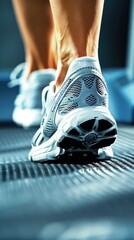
61 199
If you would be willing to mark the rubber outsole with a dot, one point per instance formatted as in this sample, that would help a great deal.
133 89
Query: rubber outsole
79 133
93 138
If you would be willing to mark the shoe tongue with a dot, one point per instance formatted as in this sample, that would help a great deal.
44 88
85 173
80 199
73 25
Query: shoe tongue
83 62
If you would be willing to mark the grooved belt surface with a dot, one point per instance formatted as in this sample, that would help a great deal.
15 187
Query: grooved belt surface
68 199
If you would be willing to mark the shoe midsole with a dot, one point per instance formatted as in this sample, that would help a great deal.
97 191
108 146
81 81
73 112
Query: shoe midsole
71 121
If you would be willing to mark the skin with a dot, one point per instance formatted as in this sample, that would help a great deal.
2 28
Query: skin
36 26
77 26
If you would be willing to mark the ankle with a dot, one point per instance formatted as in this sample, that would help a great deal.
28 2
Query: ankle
61 74
62 67
92 50
31 65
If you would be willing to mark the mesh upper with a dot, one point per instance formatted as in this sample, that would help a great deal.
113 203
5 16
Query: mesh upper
88 90
91 100
88 81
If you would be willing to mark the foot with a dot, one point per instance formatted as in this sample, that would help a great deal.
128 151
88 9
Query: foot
27 109
77 117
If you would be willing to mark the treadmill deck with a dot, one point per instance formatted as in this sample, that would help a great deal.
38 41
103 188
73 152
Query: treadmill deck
69 199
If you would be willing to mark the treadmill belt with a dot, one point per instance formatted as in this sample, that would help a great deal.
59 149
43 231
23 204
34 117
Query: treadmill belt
67 199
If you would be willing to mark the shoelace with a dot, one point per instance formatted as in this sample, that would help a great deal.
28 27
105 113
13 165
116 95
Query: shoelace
16 75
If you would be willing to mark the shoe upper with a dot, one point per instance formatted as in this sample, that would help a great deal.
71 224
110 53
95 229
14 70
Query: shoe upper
83 86
30 90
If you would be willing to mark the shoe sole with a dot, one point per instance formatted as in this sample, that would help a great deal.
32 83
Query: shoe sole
86 130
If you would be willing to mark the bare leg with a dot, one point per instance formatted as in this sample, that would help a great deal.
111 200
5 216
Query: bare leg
77 33
36 25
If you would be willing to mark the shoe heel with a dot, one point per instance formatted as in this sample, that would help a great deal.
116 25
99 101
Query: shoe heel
90 135
102 133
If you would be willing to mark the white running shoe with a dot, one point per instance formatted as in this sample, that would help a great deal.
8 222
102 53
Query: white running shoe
77 117
27 110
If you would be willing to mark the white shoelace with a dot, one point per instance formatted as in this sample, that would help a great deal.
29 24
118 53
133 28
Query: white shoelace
13 76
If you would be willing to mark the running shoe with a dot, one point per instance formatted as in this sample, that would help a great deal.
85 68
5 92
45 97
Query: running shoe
76 118
27 110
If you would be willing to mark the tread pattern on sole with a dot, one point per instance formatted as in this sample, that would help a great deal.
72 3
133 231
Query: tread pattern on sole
92 134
